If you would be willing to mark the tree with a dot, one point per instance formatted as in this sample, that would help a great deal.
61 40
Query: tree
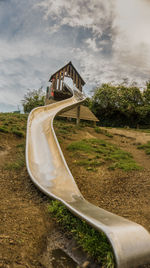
118 105
88 102
105 104
146 94
33 98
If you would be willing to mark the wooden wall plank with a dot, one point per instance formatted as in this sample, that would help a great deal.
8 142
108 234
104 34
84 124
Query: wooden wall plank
77 80
68 70
80 86
56 81
71 72
74 77
63 74
59 80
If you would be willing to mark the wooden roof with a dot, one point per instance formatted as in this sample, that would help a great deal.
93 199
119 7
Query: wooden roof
85 114
61 69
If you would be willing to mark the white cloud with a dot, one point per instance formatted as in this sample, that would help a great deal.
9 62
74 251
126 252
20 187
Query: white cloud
92 44
26 63
107 40
130 47
132 43
97 69
126 24
91 14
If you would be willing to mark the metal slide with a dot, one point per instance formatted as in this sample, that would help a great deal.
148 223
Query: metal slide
49 171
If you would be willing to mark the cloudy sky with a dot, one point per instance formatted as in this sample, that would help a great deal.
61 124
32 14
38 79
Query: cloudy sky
106 41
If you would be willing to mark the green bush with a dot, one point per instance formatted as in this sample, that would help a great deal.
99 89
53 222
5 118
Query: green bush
121 105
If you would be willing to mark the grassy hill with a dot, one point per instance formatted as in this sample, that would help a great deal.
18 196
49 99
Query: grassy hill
111 170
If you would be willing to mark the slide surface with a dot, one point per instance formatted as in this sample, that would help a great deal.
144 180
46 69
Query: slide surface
48 170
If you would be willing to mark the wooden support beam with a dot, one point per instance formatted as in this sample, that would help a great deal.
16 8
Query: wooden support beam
63 74
74 77
66 73
78 115
59 80
68 70
54 83
77 81
80 87
71 72
94 123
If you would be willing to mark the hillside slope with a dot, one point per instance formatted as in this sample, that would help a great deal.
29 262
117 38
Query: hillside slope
24 219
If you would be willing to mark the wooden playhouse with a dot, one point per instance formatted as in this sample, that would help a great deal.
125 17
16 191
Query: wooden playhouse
61 81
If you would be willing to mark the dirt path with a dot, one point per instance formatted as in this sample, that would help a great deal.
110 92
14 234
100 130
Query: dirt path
138 136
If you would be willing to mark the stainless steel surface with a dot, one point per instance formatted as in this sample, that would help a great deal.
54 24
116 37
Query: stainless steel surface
49 171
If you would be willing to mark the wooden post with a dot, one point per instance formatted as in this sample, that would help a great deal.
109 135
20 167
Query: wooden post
68 70
56 82
74 77
94 123
59 80
80 87
63 74
78 115
77 81
65 71
71 72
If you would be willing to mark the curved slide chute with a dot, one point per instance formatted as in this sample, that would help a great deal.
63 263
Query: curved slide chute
48 170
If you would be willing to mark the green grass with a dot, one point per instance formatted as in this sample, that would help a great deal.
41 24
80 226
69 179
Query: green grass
13 123
21 145
145 147
93 242
64 128
15 165
18 133
19 161
103 131
92 153
90 164
4 129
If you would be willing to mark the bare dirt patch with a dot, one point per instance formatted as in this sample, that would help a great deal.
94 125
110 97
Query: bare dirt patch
24 220
138 136
124 193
